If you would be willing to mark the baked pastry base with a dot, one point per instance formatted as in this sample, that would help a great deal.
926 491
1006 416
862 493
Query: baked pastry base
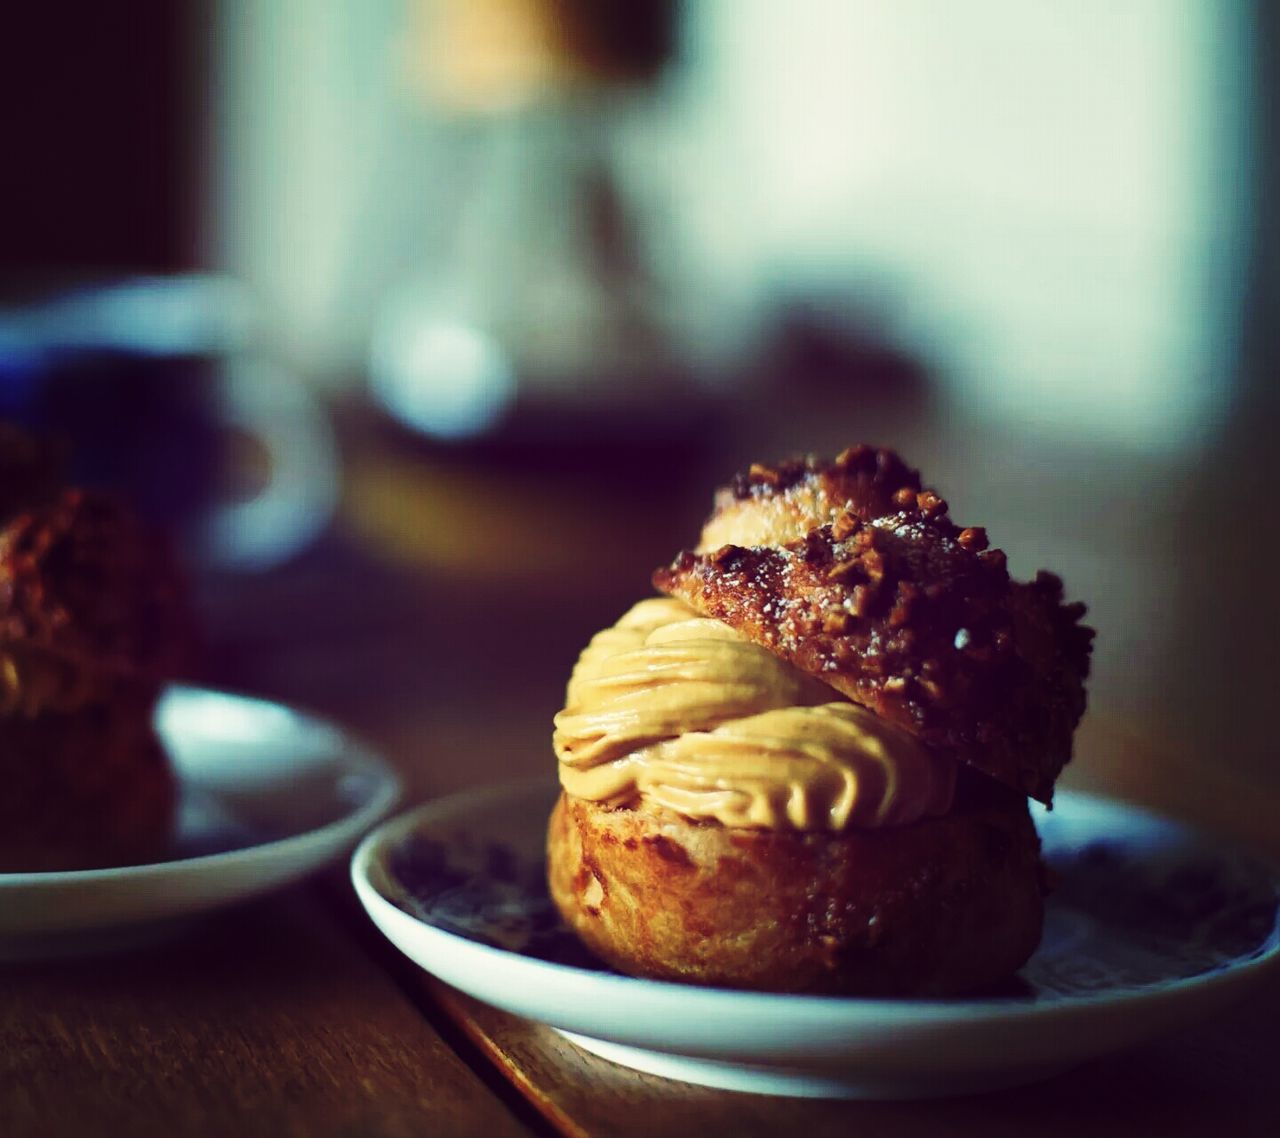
942 907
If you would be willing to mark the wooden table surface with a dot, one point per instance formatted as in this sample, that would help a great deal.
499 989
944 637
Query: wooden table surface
292 1016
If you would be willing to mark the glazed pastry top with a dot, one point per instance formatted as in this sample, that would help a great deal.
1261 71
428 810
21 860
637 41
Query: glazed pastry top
855 573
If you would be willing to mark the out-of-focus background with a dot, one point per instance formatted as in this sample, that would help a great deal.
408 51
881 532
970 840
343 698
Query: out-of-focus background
429 326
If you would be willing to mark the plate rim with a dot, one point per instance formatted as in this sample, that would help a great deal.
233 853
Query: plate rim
815 1009
387 791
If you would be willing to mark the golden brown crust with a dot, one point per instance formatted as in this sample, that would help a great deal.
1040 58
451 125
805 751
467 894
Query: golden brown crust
904 612
942 907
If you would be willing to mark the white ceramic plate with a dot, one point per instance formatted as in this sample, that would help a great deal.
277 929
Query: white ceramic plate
1151 927
267 794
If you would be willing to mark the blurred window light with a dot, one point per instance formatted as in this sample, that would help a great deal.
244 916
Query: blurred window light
1054 197
1057 192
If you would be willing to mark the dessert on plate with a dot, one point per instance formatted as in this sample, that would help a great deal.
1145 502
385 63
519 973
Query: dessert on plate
806 766
91 625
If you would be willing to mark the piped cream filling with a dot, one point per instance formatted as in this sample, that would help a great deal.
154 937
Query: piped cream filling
683 712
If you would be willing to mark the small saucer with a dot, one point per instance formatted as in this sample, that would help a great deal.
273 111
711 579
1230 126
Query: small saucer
1152 926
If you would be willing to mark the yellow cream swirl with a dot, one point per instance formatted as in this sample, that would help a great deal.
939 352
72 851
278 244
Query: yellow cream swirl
683 712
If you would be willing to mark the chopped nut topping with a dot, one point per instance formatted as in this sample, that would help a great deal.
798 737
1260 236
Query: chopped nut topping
843 570
930 505
844 525
872 587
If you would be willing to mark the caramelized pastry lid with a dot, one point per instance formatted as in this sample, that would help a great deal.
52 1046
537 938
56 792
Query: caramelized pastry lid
854 572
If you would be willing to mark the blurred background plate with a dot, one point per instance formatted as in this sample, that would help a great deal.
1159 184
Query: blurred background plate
267 795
